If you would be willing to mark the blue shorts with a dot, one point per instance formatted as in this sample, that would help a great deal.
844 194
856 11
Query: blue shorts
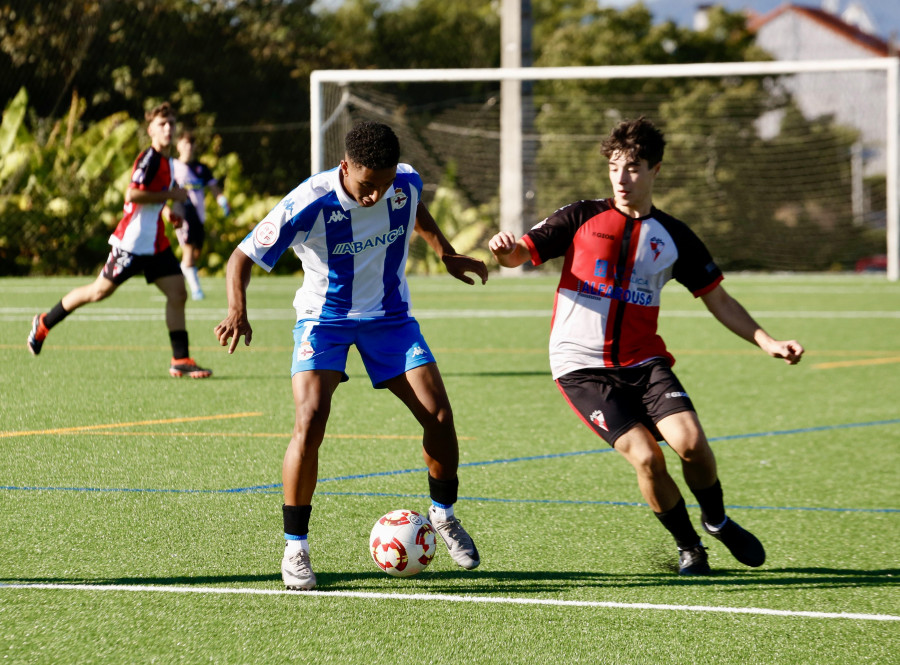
389 346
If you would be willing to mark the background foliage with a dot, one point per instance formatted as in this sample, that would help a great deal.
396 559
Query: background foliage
78 75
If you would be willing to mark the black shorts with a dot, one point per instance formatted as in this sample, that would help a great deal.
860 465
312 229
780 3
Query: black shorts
191 231
612 401
122 266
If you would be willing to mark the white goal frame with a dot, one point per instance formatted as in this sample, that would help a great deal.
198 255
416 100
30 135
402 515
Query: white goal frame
890 66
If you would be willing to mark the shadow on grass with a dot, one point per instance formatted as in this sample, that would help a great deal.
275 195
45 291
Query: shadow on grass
541 373
522 582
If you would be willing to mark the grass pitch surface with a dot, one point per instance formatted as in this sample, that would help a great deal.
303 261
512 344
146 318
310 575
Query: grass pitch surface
142 520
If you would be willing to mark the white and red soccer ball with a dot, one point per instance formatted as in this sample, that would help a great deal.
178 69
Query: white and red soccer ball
402 543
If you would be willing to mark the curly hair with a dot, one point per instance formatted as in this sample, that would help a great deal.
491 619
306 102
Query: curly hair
638 139
372 145
165 109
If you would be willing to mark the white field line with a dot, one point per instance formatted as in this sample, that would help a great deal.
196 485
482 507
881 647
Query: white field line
429 597
23 314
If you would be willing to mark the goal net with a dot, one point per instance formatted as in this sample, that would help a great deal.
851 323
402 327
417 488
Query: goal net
776 165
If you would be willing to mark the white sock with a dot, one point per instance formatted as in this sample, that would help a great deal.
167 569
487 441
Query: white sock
193 280
294 546
443 514
716 527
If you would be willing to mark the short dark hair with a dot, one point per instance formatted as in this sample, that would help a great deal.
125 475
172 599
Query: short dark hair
638 139
372 145
165 109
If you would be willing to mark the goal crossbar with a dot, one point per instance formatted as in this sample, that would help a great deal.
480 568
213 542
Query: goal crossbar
890 66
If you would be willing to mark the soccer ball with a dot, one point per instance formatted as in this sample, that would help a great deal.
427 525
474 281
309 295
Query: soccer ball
402 543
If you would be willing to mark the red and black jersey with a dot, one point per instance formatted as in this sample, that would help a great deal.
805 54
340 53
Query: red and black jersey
141 229
607 301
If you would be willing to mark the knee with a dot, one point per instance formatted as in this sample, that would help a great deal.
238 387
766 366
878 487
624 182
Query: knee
177 296
100 292
310 418
650 464
439 418
695 450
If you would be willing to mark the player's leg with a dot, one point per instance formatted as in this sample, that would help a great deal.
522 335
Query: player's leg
164 272
611 404
317 368
312 391
684 434
191 236
422 390
100 289
639 446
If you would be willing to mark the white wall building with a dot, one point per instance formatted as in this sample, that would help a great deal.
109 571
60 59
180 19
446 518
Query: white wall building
795 32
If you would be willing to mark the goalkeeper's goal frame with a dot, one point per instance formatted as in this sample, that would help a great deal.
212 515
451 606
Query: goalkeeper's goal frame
511 134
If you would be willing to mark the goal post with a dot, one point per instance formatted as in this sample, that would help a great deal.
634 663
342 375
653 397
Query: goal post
321 118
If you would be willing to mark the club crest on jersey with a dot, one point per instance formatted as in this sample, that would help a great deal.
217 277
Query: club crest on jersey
599 420
265 234
399 199
305 351
656 246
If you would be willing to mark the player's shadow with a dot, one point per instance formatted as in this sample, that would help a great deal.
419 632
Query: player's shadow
498 374
530 583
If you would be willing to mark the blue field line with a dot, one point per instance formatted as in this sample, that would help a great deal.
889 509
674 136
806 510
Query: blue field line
580 502
275 487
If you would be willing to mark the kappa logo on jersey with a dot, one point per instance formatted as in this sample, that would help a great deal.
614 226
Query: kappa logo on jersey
266 234
399 199
657 246
337 216
305 351
676 394
599 420
418 351
375 241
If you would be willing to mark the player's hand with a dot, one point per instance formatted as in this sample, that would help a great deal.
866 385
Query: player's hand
232 328
458 265
502 244
177 193
176 219
790 351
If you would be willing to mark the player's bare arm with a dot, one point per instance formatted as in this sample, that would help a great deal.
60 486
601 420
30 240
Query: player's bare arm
142 196
236 323
733 316
509 252
457 264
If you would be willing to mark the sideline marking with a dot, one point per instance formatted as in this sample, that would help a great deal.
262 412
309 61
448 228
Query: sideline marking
166 421
857 363
244 435
503 600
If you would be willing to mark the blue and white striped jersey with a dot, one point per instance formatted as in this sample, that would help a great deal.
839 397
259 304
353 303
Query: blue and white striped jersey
354 258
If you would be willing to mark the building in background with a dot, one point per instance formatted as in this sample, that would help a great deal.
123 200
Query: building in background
853 99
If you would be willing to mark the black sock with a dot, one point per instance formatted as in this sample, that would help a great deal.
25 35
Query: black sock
712 505
296 519
678 523
443 491
55 315
179 339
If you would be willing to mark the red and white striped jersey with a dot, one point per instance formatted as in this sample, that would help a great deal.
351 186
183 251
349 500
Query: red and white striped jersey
607 301
141 229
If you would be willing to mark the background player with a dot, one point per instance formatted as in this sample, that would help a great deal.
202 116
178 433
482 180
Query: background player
606 357
194 176
350 227
139 245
